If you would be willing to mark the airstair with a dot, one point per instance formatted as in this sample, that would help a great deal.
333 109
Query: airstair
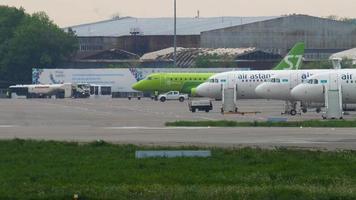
333 98
229 96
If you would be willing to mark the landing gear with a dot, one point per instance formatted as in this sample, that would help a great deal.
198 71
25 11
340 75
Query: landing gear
290 108
293 112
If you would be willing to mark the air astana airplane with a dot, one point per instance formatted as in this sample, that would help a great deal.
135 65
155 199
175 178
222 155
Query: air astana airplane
266 84
307 87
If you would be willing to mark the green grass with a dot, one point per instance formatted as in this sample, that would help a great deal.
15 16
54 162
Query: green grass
224 123
56 170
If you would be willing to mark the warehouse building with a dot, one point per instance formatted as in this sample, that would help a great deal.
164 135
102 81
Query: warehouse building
143 35
272 37
323 37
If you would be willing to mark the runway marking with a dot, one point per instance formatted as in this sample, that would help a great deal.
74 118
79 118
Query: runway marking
155 128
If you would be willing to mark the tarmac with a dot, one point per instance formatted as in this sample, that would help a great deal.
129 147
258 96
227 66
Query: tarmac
141 122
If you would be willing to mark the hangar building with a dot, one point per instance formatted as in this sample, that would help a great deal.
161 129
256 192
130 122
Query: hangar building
143 35
323 37
121 42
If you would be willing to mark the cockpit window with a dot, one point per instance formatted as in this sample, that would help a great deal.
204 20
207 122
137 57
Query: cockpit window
212 80
149 78
313 81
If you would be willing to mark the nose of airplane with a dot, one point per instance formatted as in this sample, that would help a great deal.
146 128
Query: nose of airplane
137 86
263 90
307 92
299 92
202 90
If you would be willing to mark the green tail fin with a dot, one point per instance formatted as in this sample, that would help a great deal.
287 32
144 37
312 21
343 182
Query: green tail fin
293 59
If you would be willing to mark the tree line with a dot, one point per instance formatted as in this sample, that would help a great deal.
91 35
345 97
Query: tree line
31 41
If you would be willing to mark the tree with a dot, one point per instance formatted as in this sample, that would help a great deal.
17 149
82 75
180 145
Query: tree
31 41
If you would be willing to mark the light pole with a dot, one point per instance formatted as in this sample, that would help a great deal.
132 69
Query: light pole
175 34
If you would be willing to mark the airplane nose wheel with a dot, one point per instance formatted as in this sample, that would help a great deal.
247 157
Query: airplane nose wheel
290 108
293 112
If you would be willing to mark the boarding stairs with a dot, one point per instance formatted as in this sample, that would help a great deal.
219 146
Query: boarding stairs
229 96
333 98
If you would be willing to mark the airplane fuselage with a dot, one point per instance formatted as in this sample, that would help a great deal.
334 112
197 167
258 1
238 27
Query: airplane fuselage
164 82
247 81
314 89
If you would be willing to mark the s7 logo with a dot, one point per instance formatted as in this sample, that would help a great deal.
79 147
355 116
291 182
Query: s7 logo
292 63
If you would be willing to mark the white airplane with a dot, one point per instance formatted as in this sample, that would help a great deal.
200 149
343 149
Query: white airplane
314 88
280 87
247 83
247 80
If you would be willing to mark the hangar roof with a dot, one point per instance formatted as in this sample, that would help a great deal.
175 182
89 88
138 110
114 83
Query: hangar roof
159 26
186 57
349 54
291 21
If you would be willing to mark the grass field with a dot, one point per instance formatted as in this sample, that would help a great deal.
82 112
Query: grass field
55 170
224 123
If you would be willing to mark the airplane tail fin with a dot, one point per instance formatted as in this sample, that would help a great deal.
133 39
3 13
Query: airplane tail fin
293 59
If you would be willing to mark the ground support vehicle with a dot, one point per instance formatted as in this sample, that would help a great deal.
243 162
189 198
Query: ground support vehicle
173 95
200 105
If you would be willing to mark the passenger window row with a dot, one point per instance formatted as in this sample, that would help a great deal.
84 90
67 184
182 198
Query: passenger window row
186 79
351 81
255 80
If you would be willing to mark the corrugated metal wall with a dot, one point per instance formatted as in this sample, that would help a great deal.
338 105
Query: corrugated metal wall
279 35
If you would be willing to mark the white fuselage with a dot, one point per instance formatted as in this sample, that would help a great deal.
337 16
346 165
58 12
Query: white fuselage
247 82
314 88
280 85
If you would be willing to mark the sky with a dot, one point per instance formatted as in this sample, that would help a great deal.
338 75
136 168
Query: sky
73 12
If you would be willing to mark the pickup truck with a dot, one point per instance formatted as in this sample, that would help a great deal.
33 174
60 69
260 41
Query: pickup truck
172 95
201 105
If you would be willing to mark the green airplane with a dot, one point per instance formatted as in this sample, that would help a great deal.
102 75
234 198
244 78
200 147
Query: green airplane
187 82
